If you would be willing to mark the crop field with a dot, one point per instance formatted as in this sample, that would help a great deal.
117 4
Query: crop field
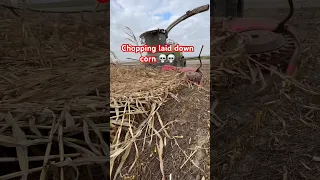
54 118
159 124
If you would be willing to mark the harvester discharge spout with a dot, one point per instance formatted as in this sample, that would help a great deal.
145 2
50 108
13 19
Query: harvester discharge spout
188 14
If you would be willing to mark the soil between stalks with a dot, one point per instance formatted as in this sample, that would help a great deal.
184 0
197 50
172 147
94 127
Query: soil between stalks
188 120
272 134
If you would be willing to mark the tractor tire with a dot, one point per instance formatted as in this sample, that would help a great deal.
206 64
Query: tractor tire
229 8
179 63
183 62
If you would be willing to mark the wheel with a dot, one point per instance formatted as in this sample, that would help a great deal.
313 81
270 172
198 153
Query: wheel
182 62
175 63
229 8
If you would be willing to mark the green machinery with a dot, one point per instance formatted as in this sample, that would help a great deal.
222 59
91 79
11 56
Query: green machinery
160 37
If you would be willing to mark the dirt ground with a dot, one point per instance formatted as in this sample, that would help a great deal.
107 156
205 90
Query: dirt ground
186 156
272 134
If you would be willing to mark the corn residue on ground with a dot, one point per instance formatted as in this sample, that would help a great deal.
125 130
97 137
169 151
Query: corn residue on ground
53 96
146 105
266 125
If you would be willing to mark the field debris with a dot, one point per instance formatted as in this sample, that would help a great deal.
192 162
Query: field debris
136 94
53 106
260 117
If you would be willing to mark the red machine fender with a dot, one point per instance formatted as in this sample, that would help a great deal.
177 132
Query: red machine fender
188 70
184 69
247 24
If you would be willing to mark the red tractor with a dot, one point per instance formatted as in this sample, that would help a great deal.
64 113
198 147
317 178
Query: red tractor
267 41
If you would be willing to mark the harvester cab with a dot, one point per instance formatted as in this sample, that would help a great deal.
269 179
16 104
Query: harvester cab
160 37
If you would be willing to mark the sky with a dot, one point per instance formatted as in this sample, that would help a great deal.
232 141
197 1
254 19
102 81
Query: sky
144 15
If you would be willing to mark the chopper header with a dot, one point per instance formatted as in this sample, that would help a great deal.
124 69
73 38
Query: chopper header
267 41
